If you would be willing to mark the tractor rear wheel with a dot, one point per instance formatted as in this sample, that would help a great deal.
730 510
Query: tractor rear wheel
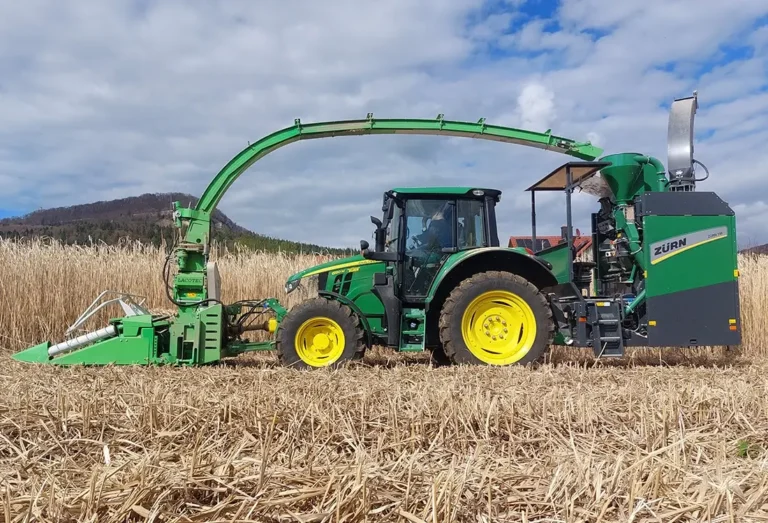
438 356
496 318
319 333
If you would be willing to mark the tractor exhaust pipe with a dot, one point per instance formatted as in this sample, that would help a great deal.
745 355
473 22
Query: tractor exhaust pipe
680 144
109 331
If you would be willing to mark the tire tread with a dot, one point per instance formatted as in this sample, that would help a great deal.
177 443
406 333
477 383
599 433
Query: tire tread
314 307
448 313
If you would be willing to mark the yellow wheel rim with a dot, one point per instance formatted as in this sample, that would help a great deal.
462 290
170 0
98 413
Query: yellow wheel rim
319 342
499 327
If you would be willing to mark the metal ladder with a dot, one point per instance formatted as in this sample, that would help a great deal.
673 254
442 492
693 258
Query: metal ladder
605 320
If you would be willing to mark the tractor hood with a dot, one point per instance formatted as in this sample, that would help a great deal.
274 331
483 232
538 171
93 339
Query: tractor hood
342 263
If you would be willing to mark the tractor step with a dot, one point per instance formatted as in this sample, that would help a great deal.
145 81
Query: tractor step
598 325
604 317
412 330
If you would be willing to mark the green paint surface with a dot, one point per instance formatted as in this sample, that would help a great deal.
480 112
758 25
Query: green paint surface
518 254
631 174
557 255
440 127
691 267
339 264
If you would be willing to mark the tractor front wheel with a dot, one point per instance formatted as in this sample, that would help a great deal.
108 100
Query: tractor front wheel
496 318
319 333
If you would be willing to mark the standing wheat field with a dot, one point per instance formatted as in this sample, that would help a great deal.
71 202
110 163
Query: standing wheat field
674 435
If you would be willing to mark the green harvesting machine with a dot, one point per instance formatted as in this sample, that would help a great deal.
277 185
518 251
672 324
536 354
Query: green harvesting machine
663 270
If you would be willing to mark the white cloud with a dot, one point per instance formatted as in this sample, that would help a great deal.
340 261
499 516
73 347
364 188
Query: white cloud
759 38
595 139
536 104
110 99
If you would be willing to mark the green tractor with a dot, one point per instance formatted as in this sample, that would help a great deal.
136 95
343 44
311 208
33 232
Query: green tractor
435 279
663 271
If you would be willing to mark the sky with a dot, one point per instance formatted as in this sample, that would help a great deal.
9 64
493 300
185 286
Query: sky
103 100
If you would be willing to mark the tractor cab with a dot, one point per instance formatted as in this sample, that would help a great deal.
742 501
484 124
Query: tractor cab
422 227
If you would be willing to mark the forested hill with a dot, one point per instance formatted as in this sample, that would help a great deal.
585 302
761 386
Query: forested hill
147 218
759 249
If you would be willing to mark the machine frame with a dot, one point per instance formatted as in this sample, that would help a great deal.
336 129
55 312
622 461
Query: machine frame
540 286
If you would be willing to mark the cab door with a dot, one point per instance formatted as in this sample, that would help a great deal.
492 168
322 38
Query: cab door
429 238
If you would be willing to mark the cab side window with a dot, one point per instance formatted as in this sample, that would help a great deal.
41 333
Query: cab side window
471 224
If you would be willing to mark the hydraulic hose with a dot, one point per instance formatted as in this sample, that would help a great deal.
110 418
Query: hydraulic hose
639 299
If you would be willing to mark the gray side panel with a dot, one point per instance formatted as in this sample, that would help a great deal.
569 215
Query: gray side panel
695 317
683 203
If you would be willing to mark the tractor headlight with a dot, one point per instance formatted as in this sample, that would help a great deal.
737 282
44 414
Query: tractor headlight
290 286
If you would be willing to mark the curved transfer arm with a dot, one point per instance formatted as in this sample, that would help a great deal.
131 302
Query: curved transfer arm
190 288
479 130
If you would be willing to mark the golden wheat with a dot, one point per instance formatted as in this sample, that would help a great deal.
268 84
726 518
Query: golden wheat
45 285
571 440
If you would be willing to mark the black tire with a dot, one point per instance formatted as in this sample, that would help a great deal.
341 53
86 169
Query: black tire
438 357
354 347
461 297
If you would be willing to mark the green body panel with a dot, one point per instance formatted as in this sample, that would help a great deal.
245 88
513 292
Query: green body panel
557 255
356 283
136 343
115 351
210 337
357 262
35 354
352 278
699 263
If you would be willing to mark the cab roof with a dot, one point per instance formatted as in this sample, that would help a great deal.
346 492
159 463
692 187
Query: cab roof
458 191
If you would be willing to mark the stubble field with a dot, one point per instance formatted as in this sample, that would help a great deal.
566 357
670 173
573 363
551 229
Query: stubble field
657 436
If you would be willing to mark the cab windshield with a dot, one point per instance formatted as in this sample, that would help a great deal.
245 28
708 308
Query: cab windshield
434 215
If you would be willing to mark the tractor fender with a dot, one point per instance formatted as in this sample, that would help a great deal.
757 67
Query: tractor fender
464 264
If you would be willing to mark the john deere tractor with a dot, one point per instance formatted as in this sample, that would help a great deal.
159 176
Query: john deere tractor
663 270
435 279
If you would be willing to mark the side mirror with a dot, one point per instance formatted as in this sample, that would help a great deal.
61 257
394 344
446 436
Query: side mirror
378 256
381 238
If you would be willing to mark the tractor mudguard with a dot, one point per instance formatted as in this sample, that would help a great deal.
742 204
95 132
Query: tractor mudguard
464 264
